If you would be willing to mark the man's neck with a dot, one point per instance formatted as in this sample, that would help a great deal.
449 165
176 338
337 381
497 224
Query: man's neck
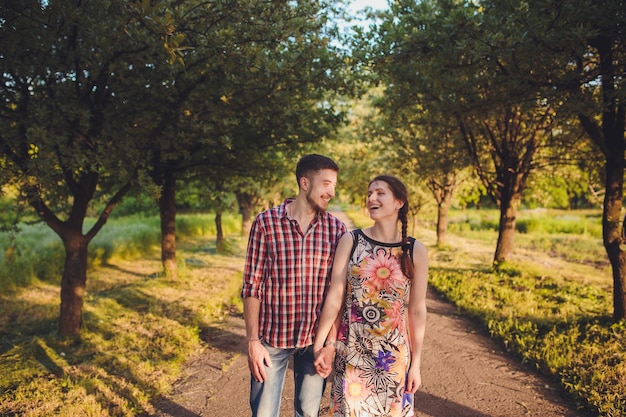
301 211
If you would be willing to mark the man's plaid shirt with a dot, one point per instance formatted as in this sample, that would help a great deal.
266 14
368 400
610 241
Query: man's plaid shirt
289 271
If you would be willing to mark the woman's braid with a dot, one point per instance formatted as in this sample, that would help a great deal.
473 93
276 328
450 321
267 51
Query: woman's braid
405 260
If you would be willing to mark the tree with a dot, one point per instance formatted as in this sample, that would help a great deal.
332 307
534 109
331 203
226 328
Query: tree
511 139
577 52
429 147
446 60
253 77
67 122
545 58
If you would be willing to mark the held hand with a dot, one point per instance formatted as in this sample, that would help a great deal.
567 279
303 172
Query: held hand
258 358
324 361
413 380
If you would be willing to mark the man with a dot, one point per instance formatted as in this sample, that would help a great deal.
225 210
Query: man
288 264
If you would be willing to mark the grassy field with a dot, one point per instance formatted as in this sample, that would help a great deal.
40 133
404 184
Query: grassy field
138 327
550 305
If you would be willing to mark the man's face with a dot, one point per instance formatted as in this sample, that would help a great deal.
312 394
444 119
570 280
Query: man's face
320 189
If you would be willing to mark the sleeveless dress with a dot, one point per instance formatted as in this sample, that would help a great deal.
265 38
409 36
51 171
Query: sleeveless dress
373 347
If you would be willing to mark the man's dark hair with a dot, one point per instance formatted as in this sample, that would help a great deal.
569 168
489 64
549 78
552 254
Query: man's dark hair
313 163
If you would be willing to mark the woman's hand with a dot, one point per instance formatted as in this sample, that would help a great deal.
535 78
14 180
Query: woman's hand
413 380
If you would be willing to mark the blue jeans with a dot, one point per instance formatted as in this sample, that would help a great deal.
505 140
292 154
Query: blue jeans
265 396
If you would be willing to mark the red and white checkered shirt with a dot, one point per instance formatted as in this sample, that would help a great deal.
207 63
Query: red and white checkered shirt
289 271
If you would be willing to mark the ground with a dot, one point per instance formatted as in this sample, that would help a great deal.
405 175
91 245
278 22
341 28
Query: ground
464 374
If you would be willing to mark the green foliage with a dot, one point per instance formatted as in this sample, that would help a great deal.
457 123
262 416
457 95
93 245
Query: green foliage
560 187
140 204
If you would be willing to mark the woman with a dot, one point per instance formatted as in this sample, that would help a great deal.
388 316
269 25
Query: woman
377 271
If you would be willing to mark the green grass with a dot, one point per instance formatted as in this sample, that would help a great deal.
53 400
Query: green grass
360 218
138 327
38 254
550 305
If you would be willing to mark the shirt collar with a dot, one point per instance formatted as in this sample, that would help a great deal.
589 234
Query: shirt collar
282 211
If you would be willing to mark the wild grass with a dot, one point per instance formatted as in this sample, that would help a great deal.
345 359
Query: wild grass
37 253
138 326
550 305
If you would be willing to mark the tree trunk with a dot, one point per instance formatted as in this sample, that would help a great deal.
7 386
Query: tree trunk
442 190
443 209
506 234
613 234
167 211
73 284
610 139
246 208
76 244
219 240
442 223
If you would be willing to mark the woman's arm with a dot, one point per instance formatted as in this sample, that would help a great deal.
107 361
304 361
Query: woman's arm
417 315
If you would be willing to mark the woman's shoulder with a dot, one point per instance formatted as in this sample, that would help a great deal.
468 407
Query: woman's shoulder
346 244
419 249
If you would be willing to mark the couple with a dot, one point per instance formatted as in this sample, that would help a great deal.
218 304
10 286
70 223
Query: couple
326 297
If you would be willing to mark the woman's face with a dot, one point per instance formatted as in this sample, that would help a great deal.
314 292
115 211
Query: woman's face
381 202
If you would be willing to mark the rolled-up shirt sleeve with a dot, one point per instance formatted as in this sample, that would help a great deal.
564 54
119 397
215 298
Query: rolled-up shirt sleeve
255 257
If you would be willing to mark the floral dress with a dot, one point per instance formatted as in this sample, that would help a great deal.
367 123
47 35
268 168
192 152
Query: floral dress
373 352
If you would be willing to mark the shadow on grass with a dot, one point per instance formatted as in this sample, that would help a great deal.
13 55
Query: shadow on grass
547 292
130 271
229 340
170 408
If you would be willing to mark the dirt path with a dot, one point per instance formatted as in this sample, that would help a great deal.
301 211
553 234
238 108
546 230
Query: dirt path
464 374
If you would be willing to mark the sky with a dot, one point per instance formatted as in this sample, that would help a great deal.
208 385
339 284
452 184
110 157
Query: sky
356 7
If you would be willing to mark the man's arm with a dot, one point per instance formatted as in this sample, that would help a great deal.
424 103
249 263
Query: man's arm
258 357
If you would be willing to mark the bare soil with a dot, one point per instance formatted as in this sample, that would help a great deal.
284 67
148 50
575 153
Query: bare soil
464 374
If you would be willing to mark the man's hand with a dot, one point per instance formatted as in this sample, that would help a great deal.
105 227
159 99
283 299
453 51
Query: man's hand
258 358
324 360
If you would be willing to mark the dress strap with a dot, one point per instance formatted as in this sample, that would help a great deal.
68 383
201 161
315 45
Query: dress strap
355 234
